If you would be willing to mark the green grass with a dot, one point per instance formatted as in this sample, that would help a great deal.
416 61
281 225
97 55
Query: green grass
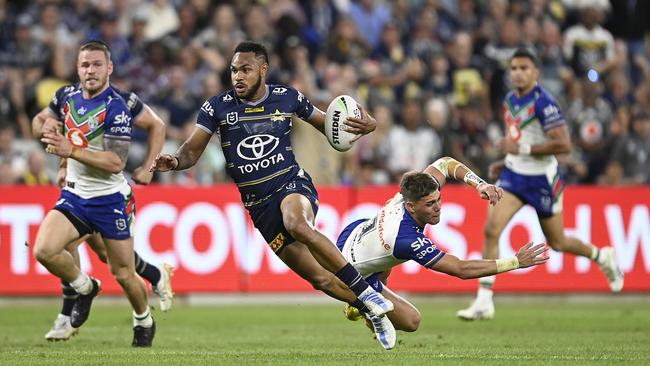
538 332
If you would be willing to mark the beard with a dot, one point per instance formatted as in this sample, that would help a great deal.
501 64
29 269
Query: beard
100 84
253 89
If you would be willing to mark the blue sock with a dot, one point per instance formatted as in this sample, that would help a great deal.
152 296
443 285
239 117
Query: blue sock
146 270
352 278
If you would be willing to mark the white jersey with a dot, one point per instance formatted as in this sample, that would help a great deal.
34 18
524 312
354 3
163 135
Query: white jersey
87 122
528 118
392 237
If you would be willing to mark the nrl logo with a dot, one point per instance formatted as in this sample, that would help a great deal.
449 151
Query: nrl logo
232 118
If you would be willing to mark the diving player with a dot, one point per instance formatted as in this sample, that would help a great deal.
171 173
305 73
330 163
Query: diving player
49 119
96 196
535 133
396 234
253 121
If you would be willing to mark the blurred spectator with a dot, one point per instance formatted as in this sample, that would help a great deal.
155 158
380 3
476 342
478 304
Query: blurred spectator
588 46
219 40
371 16
632 153
163 19
187 30
554 73
368 151
345 45
179 104
589 118
499 53
10 152
470 142
108 32
35 174
412 144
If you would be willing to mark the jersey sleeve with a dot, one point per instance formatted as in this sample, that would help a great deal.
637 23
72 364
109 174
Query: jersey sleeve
548 112
119 122
207 119
304 108
418 247
134 103
57 101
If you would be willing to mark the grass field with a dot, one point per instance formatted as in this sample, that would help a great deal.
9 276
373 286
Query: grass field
538 332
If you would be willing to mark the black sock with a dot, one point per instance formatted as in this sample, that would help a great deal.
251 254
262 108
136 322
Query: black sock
360 305
352 278
146 270
69 297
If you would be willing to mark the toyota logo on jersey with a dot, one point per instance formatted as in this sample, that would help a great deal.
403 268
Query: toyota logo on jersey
257 146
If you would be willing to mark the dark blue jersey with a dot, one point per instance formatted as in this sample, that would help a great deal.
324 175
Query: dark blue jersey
256 138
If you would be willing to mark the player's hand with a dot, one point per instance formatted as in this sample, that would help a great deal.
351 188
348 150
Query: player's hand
51 125
494 170
508 146
142 175
532 255
57 144
60 176
361 126
163 163
490 192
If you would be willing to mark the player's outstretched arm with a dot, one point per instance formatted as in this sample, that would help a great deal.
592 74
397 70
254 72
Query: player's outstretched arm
45 121
186 156
529 255
156 130
447 167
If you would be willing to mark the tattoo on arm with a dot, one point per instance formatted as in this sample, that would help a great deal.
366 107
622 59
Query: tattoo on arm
119 147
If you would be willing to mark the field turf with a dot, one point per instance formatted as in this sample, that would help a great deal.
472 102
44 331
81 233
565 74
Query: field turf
534 332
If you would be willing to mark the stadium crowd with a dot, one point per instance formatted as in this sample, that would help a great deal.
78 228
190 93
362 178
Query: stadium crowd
432 73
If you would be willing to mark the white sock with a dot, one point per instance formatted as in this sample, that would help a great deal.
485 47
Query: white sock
144 320
484 294
487 282
82 284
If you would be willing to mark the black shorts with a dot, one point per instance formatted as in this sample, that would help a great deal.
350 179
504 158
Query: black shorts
267 216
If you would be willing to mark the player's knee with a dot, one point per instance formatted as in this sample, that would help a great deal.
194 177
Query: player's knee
297 228
412 323
43 253
122 275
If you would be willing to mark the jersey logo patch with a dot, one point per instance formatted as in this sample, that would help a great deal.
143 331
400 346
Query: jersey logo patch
227 98
232 118
257 146
253 110
82 110
277 116
279 91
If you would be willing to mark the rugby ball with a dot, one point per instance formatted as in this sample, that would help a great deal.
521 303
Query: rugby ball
335 129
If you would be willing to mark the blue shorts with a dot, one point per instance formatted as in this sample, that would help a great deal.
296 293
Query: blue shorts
267 216
111 215
374 280
543 192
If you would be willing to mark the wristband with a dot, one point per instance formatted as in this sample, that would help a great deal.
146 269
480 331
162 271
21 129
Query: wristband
472 179
524 149
504 265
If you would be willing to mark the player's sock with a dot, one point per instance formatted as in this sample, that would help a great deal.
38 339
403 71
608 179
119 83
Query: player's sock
352 278
69 297
144 320
484 294
146 270
360 306
486 282
82 284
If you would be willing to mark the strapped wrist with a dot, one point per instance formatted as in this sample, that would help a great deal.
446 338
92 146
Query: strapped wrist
524 149
473 179
504 265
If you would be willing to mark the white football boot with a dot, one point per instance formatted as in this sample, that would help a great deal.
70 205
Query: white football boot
481 309
384 330
607 263
61 330
164 287
377 305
